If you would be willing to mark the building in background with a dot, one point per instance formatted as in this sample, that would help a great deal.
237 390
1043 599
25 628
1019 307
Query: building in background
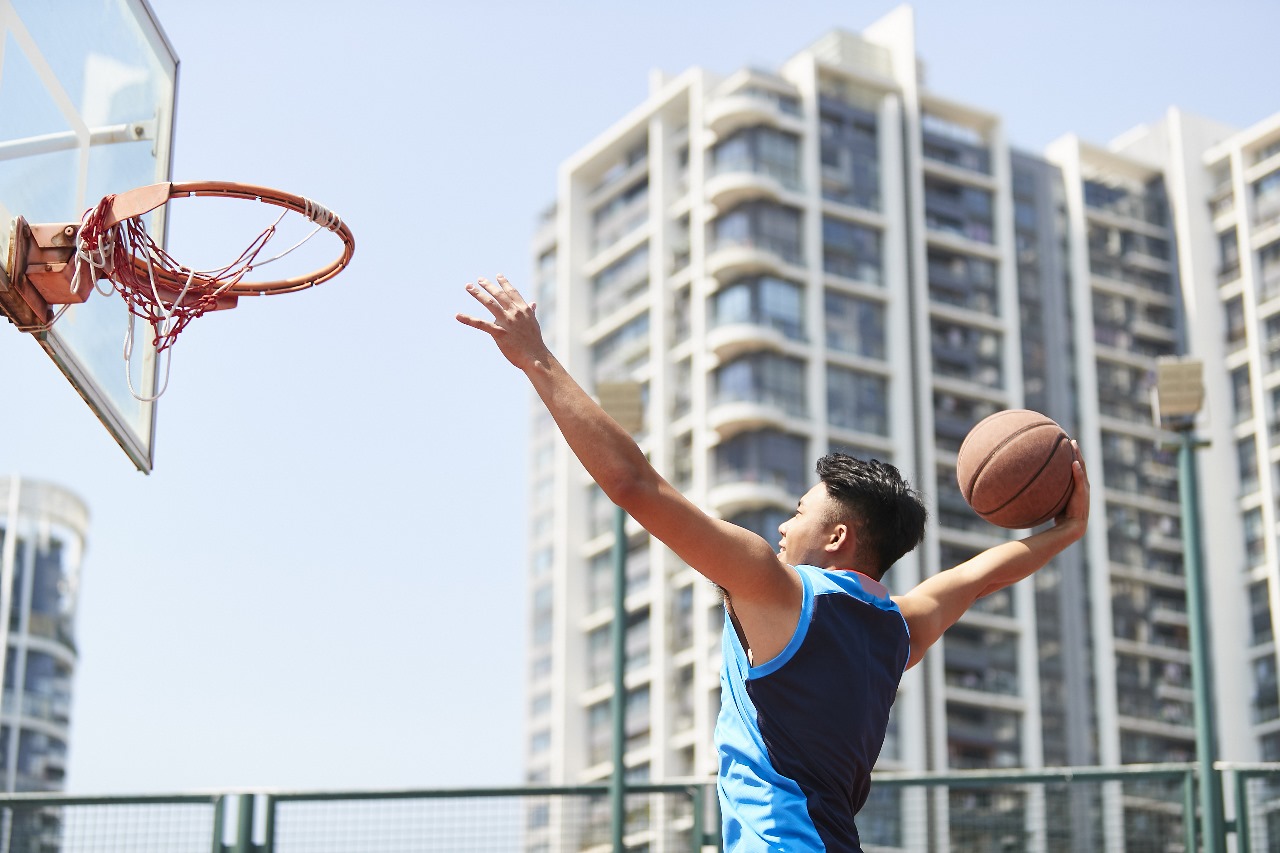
42 538
828 256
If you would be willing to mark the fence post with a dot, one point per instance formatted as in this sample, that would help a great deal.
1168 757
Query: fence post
219 816
269 839
244 824
695 833
1242 810
1189 801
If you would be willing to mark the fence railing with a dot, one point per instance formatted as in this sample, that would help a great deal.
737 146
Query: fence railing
1131 809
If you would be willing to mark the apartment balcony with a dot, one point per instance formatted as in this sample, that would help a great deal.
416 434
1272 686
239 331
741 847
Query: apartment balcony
730 260
1142 260
747 108
731 497
1153 650
734 339
731 187
1160 728
728 417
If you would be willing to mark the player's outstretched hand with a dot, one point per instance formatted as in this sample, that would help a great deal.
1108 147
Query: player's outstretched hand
514 327
1076 512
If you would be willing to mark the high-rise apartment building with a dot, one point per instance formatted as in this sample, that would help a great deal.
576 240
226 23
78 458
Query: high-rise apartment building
42 534
828 256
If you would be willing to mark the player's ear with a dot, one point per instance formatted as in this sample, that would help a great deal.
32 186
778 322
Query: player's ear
838 537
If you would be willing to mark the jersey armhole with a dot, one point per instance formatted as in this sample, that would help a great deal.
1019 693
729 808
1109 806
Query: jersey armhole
797 637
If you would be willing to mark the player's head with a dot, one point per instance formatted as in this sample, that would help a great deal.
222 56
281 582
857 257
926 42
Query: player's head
861 510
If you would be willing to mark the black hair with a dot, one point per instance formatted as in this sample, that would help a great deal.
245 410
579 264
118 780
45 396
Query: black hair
888 516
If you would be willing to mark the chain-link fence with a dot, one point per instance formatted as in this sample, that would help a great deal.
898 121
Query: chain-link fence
1146 809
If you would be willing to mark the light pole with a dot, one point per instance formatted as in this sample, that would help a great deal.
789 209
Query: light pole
623 402
1179 396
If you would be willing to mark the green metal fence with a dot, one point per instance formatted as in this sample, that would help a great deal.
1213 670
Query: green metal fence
1133 809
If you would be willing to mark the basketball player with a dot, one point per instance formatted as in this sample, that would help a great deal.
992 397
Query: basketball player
814 645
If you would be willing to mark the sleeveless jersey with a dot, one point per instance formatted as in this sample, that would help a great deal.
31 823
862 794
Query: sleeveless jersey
798 735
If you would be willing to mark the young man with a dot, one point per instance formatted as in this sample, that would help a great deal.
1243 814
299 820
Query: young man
814 645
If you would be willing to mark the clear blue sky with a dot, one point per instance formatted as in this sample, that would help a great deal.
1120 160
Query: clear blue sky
321 585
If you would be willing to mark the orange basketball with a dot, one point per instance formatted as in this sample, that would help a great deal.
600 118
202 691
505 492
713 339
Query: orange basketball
1014 468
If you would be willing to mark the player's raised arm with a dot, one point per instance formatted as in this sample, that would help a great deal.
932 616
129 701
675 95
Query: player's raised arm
939 601
739 561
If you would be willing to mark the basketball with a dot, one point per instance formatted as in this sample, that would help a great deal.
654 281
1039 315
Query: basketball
1014 468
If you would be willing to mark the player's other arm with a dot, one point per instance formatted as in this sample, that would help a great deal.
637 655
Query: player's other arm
739 561
938 602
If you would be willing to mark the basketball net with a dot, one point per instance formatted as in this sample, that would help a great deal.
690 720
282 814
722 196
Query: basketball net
144 275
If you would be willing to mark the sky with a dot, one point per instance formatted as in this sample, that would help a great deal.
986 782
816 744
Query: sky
321 585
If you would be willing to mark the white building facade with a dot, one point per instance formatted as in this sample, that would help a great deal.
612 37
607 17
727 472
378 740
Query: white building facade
42 538
830 257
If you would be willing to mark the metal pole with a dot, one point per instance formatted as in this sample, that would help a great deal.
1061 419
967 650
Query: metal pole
1213 831
618 784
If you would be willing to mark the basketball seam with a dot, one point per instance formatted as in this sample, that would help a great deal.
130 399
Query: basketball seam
1030 479
1059 505
993 452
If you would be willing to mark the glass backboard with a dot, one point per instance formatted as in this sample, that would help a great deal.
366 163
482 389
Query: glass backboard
87 93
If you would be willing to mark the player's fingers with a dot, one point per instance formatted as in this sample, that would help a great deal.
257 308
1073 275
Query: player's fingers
1075 445
477 323
483 292
513 296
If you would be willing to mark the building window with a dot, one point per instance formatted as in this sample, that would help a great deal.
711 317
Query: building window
1229 256
851 251
954 144
599 656
981 737
1233 317
763 301
762 150
620 215
682 700
1266 693
764 378
763 522
1247 464
1271 342
1269 272
622 281
600 571
681 319
763 456
638 718
1266 199
1255 540
637 640
682 462
539 742
599 733
760 225
964 281
1260 614
682 618
1241 399
850 155
960 210
968 353
854 325
981 659
858 401
954 415
543 614
622 350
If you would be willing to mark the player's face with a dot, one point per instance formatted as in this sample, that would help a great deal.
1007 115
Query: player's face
805 534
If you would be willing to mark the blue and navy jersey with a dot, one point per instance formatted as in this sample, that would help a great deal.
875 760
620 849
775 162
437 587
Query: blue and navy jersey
798 735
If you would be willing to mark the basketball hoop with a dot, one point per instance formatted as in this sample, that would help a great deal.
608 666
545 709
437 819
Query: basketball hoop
111 242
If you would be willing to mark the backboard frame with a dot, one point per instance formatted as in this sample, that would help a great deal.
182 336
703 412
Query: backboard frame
134 428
